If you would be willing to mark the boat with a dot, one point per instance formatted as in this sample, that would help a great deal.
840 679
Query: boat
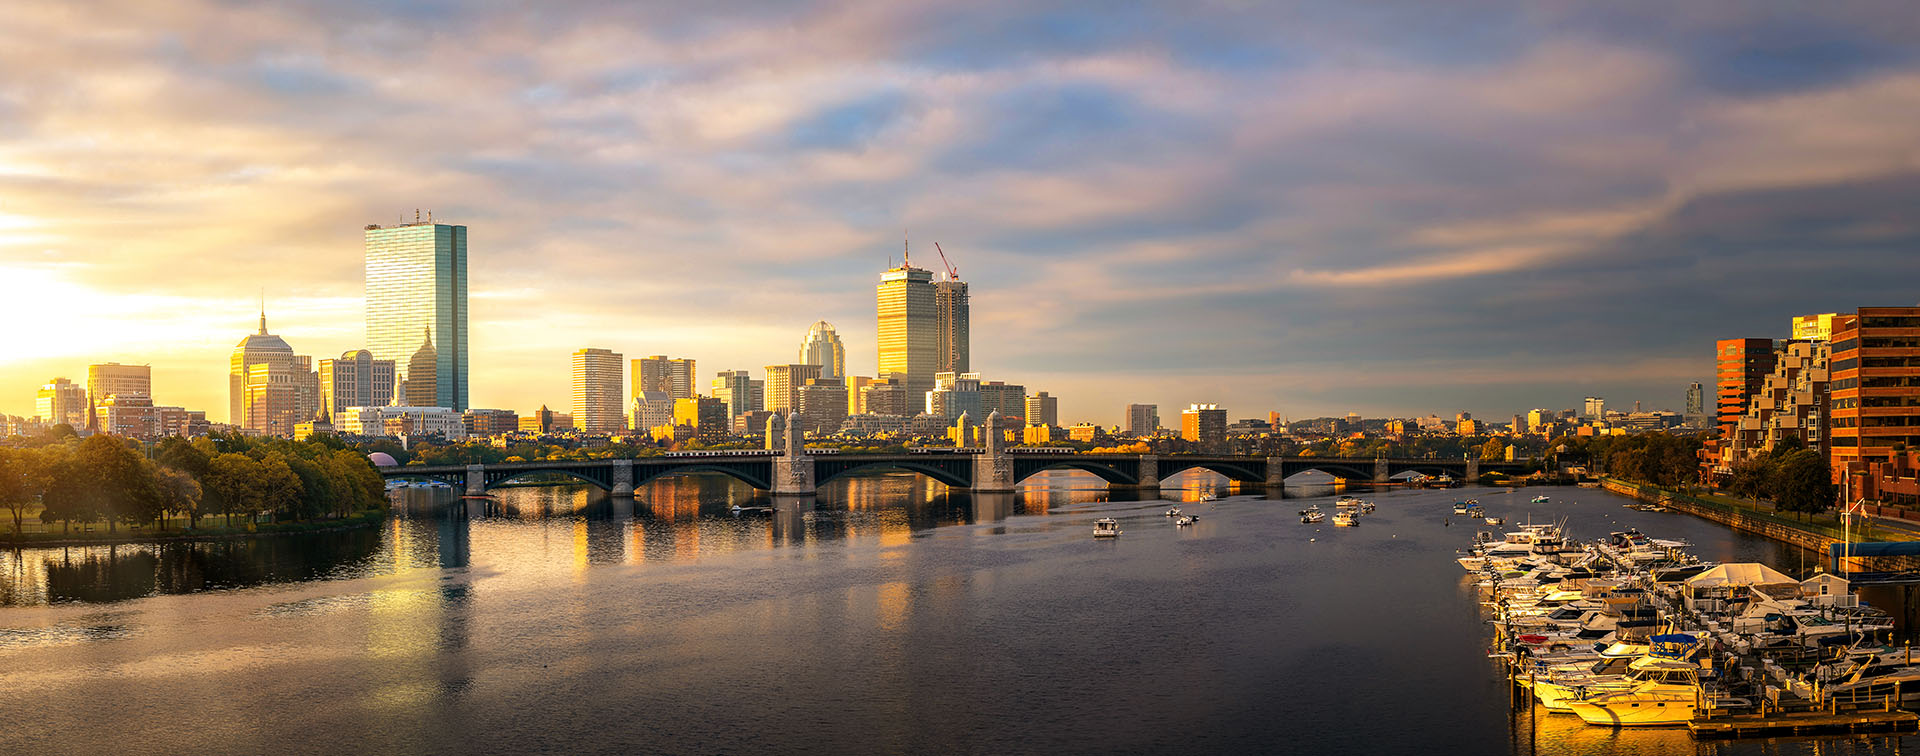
1540 500
1311 509
1183 521
1460 507
1106 527
1174 512
1495 521
1666 690
1312 516
1346 519
1208 497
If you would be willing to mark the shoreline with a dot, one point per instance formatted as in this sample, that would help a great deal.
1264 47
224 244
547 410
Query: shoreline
176 536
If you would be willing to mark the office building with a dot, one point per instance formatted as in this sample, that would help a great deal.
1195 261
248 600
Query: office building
62 401
1204 424
652 409
1696 401
596 390
739 391
659 373
545 421
271 388
752 423
1592 408
822 406
956 394
399 422
908 326
1741 366
951 345
783 385
355 380
113 379
487 423
1875 390
706 415
1813 327
887 396
857 394
822 347
1008 399
1143 420
1043 409
417 287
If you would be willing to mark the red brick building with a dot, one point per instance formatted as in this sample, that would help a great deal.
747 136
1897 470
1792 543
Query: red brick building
1876 395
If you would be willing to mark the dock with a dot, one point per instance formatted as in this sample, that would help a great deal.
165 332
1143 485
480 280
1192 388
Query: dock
1803 723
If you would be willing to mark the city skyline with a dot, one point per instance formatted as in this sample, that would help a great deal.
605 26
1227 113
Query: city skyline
1166 183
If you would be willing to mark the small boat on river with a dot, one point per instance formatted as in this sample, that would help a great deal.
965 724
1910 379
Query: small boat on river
1106 527
1312 516
1346 519
1540 500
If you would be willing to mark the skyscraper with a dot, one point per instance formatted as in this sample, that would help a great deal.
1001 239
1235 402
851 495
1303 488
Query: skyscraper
1741 366
355 380
1594 408
1043 409
596 390
909 322
270 387
823 348
1696 401
671 376
62 401
417 284
115 379
1205 424
1143 419
952 345
783 385
421 387
739 391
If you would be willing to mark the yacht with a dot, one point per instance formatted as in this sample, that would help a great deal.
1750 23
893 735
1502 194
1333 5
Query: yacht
1174 512
1311 509
1461 507
1312 516
1346 519
1540 500
1183 521
1495 521
1106 527
1208 497
1665 690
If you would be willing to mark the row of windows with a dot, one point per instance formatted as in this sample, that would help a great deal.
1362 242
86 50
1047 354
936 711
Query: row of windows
1889 342
1890 401
1872 441
1882 362
1846 364
1844 345
1889 321
1890 381
1843 384
1890 421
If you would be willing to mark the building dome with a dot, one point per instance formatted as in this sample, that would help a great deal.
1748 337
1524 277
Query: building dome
382 459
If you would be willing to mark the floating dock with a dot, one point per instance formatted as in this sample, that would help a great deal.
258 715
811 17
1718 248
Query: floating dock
1804 723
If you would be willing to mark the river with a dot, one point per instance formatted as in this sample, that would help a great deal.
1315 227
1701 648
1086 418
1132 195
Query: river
896 617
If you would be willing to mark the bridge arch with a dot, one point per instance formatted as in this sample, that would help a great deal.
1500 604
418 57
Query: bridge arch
495 480
934 471
643 476
1171 466
404 474
1343 472
1101 470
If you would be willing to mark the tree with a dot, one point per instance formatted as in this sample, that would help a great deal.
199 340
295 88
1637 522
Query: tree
279 486
178 494
118 478
22 478
1493 451
1802 482
233 485
1750 477
65 498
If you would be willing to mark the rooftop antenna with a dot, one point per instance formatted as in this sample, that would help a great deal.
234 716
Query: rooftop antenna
263 311
906 251
416 215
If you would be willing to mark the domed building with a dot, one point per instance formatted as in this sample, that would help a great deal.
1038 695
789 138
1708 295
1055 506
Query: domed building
823 348
270 389
423 377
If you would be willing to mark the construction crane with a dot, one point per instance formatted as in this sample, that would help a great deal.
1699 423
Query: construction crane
953 273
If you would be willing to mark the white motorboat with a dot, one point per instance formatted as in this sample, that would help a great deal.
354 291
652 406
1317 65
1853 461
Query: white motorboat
1540 500
1346 519
1174 512
1312 516
1311 509
1183 521
1460 507
1208 497
1495 521
1106 527
1666 690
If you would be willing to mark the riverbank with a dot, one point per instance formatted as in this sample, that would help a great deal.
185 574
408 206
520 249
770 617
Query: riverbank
1814 533
105 538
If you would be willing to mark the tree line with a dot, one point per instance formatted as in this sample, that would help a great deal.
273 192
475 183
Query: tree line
108 479
1794 477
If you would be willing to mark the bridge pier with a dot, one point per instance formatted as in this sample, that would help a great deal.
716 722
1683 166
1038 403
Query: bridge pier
992 470
476 480
1148 479
1276 477
623 478
1473 471
1380 476
793 476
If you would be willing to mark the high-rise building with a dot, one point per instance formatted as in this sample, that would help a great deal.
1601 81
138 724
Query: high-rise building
887 396
951 331
1043 409
823 406
486 423
739 391
1592 408
355 380
271 388
658 373
857 394
783 385
1741 367
417 284
1205 424
1875 387
823 348
956 394
706 415
909 322
1792 402
420 386
596 390
1538 419
1696 407
1143 420
652 409
115 379
62 401
1813 327
1008 399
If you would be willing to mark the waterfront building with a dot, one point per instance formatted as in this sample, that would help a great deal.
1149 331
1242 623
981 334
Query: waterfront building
1741 366
867 425
1042 409
822 406
956 394
1792 402
1875 390
1204 424
1813 327
783 385
270 401
596 390
487 423
652 409
951 341
658 373
1041 435
887 396
1094 434
706 415
1143 420
416 283
112 378
356 379
823 347
62 401
908 327
739 391
399 422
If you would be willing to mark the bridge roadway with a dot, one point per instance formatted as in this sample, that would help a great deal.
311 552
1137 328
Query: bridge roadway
976 470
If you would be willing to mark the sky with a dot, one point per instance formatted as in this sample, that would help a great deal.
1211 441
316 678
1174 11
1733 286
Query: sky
1393 208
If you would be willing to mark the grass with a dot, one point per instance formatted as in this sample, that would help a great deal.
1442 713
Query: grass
210 528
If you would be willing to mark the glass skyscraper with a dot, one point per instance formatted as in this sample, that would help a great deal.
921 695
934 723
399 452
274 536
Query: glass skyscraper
417 284
908 325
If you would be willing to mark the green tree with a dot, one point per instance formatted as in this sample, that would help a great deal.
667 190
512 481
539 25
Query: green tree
1750 477
233 485
118 478
22 479
1493 451
178 494
280 488
1802 482
66 498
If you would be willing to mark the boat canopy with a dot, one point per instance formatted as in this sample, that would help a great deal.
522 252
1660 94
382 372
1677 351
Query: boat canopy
1743 573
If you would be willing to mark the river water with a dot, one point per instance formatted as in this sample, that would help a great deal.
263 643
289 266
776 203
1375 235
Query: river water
895 617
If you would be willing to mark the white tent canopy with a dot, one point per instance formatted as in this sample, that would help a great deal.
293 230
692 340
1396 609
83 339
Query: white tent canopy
1744 573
